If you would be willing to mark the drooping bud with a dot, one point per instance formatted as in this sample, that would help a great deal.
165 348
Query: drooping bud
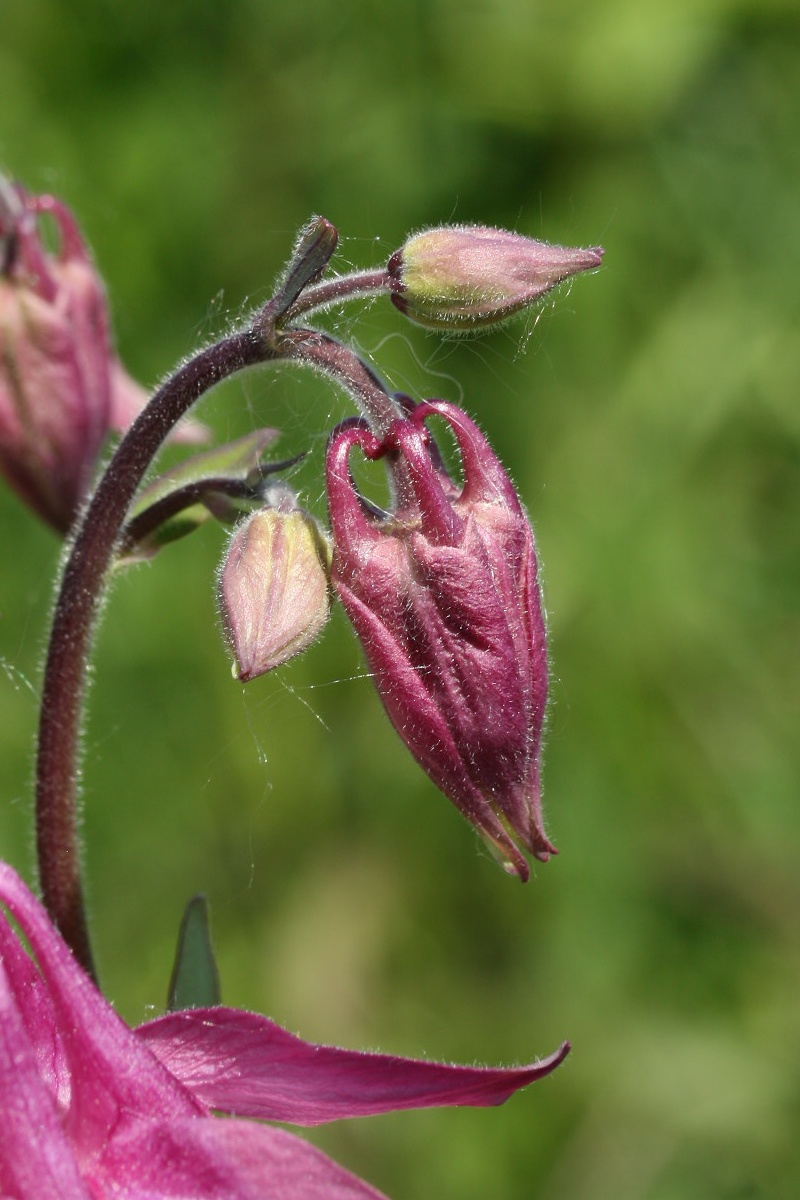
444 597
62 387
459 277
273 587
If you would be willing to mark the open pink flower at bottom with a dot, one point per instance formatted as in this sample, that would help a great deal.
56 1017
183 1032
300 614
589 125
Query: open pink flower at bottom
90 1108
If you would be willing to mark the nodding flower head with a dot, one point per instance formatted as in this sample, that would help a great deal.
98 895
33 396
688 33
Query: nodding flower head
444 596
462 277
62 387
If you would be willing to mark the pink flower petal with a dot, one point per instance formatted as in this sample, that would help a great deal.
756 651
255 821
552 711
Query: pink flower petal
443 595
35 1008
221 1160
244 1064
110 1070
37 1159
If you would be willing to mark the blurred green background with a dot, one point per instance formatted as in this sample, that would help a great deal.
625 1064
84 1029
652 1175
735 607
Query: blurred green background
650 418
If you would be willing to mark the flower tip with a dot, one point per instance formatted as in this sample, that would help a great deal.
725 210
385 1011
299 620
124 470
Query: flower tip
546 1066
508 855
515 864
560 1054
521 870
544 850
592 258
562 262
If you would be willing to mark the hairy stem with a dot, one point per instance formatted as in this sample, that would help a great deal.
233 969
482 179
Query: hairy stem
345 367
98 537
339 289
76 610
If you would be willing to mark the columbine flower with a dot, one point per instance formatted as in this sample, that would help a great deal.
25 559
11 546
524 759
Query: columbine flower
460 277
443 594
62 387
91 1109
273 587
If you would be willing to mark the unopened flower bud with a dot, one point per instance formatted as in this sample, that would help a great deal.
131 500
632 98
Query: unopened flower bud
62 387
458 277
273 588
444 597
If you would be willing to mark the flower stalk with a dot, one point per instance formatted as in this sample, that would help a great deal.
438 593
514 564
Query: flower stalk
98 536
345 367
442 590
74 618
483 754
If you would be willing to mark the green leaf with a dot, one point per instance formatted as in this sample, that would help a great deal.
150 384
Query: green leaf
217 482
312 252
195 980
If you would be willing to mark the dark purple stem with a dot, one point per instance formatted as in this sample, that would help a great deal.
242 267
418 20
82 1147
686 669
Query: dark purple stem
340 289
74 619
98 537
343 365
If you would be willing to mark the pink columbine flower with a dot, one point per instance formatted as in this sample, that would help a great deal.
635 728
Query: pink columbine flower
444 596
93 1110
62 386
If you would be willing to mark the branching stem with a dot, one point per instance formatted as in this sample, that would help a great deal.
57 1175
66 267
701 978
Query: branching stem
98 537
76 610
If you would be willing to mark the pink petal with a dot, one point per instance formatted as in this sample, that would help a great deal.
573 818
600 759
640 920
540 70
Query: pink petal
220 1160
111 1071
36 1012
36 1159
245 1064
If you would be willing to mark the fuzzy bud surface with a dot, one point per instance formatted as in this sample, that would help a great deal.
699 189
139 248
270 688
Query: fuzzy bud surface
273 589
62 386
444 597
459 277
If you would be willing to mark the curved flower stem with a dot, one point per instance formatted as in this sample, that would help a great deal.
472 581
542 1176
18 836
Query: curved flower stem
340 289
98 536
76 610
345 367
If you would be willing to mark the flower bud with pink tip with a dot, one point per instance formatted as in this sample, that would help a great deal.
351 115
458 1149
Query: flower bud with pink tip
444 596
273 587
462 277
62 386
